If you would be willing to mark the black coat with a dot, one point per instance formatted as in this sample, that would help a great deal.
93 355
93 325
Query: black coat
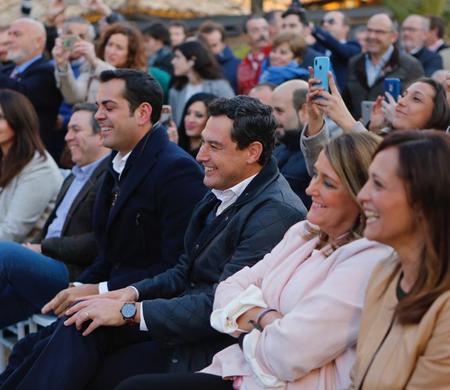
76 246
142 234
431 61
400 65
238 237
38 84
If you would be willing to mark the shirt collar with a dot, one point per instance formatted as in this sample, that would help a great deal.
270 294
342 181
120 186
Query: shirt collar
436 45
86 170
233 192
22 67
384 58
119 161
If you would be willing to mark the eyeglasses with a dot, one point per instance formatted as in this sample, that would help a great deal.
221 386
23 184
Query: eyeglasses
377 32
329 21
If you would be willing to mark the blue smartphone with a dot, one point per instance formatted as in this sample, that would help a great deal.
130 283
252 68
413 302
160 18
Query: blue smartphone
392 85
321 69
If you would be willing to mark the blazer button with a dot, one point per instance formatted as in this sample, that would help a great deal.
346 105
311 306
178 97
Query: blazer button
174 360
197 246
192 284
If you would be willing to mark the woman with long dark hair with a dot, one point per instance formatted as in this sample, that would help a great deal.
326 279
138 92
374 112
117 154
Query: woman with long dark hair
29 178
404 338
193 121
195 70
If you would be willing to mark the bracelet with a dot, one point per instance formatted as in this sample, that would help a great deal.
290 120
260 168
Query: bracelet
256 323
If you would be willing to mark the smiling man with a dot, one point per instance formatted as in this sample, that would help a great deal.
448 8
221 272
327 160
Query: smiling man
67 244
245 215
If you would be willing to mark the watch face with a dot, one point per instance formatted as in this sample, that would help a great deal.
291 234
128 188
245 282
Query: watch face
128 310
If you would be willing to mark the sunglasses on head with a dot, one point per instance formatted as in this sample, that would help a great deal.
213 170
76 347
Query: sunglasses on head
330 21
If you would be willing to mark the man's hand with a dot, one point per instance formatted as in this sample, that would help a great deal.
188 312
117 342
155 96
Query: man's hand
127 294
34 247
67 297
100 311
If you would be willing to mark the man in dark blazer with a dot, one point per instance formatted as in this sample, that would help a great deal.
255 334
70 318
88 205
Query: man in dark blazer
31 74
67 243
245 215
331 40
413 38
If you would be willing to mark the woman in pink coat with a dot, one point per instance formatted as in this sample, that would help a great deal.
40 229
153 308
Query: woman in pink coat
297 311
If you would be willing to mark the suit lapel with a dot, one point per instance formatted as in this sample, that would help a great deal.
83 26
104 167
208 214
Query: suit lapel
145 156
84 191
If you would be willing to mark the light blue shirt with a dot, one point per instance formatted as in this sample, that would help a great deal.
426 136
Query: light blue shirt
374 71
82 175
23 67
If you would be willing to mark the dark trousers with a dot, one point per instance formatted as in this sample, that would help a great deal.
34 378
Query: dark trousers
64 359
189 381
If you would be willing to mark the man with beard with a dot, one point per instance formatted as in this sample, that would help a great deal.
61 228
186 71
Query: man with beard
291 118
249 70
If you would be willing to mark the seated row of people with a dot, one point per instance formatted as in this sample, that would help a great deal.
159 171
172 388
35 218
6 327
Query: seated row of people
245 215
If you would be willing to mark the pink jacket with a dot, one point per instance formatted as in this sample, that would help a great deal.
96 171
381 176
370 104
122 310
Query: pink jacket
320 298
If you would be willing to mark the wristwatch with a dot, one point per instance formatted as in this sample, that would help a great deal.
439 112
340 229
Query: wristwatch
128 312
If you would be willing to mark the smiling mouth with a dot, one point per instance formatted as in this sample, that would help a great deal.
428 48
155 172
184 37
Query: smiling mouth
209 169
371 216
317 205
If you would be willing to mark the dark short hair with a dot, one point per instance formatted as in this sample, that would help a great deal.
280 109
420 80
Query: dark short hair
177 23
299 98
299 12
251 17
437 23
158 31
209 26
440 116
253 121
140 88
89 107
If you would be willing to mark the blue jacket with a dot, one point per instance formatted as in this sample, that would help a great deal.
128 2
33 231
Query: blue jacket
340 53
430 61
277 75
229 64
141 235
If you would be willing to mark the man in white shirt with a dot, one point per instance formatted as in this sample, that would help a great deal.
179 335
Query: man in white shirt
247 212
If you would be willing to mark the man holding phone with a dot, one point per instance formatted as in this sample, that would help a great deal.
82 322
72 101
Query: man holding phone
367 71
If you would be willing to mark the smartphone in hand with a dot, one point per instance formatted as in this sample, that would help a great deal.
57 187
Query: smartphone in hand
392 85
321 69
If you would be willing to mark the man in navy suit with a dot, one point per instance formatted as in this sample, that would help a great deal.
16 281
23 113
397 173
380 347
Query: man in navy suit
31 74
413 37
331 40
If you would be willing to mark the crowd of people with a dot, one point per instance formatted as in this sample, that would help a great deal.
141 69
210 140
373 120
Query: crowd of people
193 220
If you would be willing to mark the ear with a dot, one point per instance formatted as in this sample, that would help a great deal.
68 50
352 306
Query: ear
394 37
254 151
303 114
143 113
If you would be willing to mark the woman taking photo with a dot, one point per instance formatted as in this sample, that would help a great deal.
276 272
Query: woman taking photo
29 178
120 46
404 337
194 120
423 105
296 312
195 70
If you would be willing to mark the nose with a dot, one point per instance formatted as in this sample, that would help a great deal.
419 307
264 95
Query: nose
99 115
69 136
202 154
401 100
312 187
363 193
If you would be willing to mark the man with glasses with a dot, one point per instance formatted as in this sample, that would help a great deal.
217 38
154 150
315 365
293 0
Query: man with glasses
331 40
367 71
413 37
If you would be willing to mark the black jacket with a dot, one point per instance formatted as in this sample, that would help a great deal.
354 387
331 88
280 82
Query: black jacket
38 84
76 246
400 65
178 303
431 61
140 220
